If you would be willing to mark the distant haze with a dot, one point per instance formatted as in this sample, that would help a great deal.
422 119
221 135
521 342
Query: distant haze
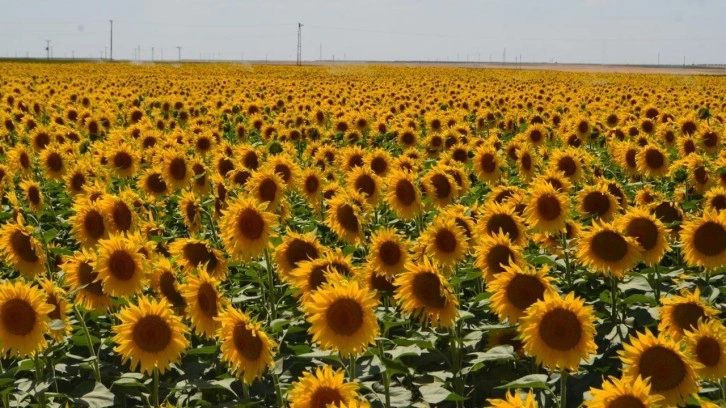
574 31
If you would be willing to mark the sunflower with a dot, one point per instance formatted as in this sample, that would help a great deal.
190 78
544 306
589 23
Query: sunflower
285 167
423 292
516 289
388 252
266 187
660 360
567 161
345 217
311 275
649 231
246 228
445 242
124 160
513 399
32 194
245 347
150 335
342 317
704 240
646 196
165 284
175 169
366 182
194 253
680 314
559 332
440 186
57 297
604 249
351 157
715 199
83 280
53 162
596 201
200 182
20 159
322 389
652 161
152 183
623 393
311 186
89 223
498 218
527 162
294 249
462 216
120 266
547 209
191 211
21 250
119 210
379 161
707 344
204 303
403 194
24 318
496 252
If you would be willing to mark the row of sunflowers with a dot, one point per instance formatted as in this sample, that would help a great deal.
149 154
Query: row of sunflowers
220 234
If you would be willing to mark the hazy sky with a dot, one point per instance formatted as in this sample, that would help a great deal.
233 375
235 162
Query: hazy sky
592 31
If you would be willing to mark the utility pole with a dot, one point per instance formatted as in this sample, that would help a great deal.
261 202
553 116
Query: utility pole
321 51
299 43
152 54
504 56
178 48
111 53
47 51
658 58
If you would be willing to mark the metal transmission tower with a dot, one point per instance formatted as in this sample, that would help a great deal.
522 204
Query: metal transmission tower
111 53
47 51
299 43
179 49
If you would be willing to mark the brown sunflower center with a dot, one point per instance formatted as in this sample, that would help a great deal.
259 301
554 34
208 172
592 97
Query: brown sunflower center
93 224
487 163
389 253
497 256
710 238
596 203
122 265
503 223
197 253
567 165
626 401
317 277
365 184
122 160
379 165
654 159
224 166
686 315
250 224
426 289
77 181
178 168
347 218
708 351
312 184
560 329
405 192
18 317
299 250
644 231
34 195
664 367
445 241
442 187
251 161
55 162
524 290
168 288
667 213
609 246
344 316
207 300
719 202
701 175
155 183
87 276
549 207
247 343
526 161
324 397
21 245
52 300
630 158
152 334
122 216
355 160
268 190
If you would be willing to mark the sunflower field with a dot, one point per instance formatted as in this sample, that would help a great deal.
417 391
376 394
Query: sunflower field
360 236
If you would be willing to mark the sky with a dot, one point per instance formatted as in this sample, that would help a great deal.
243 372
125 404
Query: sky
564 31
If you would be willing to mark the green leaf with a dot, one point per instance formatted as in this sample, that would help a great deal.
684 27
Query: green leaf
57 324
534 381
638 298
100 397
203 351
434 393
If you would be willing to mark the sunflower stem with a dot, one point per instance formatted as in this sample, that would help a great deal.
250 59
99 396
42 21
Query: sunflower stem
384 373
245 391
351 367
155 390
563 389
38 379
613 300
278 390
82 321
456 365
271 285
656 283
565 251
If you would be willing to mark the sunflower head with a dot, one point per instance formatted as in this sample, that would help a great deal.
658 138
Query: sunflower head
604 249
547 209
22 250
403 194
24 318
496 252
623 392
245 347
516 289
681 313
704 240
423 291
322 388
246 228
